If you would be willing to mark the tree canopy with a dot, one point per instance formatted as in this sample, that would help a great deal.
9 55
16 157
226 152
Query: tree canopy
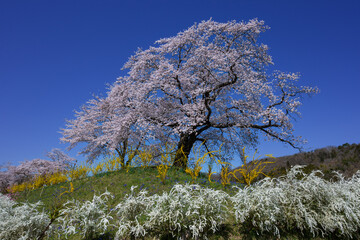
208 83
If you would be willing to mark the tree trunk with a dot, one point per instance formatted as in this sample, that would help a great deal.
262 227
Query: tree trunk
186 142
122 153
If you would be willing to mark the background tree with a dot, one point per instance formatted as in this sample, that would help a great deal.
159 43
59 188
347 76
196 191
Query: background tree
27 170
62 159
208 83
106 127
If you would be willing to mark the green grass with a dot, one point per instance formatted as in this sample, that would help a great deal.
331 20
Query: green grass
119 184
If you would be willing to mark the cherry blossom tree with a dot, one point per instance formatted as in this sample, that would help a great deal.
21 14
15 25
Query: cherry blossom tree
98 125
26 170
60 159
209 83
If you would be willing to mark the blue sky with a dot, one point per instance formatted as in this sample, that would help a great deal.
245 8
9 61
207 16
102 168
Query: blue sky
54 55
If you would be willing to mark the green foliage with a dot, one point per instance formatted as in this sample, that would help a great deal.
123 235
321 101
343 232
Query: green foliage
333 153
309 168
323 155
348 160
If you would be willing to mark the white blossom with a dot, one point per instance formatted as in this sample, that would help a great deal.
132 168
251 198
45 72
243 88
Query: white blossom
210 82
311 204
21 221
92 217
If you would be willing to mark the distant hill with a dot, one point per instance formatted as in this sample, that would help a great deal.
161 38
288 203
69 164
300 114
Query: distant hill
344 159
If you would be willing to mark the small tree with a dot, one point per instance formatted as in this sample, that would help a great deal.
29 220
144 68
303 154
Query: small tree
105 127
27 170
62 159
209 82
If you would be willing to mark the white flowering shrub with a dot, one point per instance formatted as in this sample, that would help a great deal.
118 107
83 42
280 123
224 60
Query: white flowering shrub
21 221
311 204
132 214
188 211
91 217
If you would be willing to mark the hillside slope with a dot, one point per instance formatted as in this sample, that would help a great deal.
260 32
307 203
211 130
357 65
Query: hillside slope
344 159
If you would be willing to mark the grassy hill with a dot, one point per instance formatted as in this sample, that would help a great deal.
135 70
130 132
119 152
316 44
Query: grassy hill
118 183
345 159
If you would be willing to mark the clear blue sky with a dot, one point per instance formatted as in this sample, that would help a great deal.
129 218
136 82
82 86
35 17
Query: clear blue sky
54 55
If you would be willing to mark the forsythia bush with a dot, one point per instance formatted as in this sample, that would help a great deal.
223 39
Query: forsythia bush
97 169
164 164
248 175
78 172
21 221
38 181
144 158
58 177
197 166
162 170
20 187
